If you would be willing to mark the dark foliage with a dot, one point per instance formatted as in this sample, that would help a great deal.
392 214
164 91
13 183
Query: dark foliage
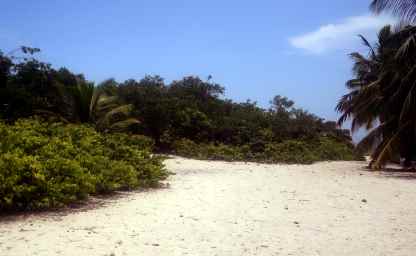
194 109
190 108
382 96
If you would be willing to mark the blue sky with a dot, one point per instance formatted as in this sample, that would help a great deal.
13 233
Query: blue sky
256 49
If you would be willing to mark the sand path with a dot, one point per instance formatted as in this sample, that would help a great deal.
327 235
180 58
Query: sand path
217 208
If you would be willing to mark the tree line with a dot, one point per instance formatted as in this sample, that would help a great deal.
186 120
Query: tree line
189 108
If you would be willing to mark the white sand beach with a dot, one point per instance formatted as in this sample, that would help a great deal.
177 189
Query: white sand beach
217 208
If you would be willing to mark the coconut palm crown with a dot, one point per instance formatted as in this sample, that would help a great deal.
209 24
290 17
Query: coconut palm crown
382 95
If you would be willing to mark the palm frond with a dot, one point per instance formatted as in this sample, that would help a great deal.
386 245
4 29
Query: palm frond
405 9
354 84
366 43
120 111
124 124
51 114
408 107
93 105
384 35
406 47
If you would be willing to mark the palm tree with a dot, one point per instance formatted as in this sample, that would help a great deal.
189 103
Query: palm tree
382 95
99 105
107 111
406 9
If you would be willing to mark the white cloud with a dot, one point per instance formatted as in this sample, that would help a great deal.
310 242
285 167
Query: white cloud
341 35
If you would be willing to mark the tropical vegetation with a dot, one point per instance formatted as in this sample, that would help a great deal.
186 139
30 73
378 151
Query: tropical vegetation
64 138
288 151
382 95
48 165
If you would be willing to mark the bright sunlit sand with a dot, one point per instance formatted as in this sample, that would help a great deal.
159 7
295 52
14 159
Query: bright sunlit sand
217 208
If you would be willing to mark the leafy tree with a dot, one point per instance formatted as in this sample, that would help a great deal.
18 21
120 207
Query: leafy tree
281 104
5 69
30 87
151 104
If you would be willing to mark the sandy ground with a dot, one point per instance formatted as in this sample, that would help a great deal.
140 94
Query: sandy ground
217 208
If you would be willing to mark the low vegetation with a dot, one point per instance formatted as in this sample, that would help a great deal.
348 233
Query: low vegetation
44 165
290 151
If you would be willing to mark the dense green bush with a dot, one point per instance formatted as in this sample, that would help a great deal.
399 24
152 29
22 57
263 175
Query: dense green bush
290 151
188 148
46 165
307 152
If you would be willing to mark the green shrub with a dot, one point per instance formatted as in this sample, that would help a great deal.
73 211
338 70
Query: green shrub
188 148
293 152
289 151
331 149
45 165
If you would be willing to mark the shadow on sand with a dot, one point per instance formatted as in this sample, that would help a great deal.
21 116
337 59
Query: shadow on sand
395 171
407 174
92 203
